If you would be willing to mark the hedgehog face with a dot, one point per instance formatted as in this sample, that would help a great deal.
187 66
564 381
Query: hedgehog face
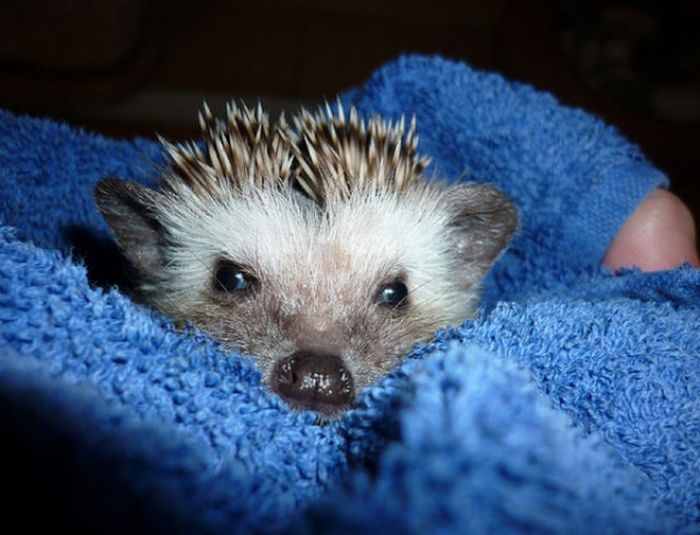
326 291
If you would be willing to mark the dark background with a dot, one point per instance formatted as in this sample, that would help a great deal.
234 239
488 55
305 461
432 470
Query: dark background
128 67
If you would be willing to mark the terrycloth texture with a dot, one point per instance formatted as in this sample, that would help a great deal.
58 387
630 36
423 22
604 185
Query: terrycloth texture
571 405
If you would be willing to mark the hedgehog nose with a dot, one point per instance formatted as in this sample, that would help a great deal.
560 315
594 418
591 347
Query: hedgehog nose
316 381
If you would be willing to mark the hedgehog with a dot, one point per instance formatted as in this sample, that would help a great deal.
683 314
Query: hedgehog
321 247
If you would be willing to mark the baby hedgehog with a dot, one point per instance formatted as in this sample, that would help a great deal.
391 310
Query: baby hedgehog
320 247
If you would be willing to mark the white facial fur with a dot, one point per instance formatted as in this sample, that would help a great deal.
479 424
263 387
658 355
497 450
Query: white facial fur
321 270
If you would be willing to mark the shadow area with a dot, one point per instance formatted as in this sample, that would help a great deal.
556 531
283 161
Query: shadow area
106 266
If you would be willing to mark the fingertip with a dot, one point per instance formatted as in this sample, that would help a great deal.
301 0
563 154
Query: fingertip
659 235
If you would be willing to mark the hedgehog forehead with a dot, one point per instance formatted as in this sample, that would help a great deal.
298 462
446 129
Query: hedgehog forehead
394 229
286 237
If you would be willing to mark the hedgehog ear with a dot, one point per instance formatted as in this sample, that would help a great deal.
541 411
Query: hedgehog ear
128 208
482 221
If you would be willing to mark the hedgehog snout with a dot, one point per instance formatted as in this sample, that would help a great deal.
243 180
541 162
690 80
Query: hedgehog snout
313 380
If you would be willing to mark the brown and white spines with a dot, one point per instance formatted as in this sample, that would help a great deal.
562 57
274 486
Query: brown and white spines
328 154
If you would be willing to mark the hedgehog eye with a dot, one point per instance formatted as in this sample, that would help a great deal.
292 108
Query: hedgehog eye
394 295
232 278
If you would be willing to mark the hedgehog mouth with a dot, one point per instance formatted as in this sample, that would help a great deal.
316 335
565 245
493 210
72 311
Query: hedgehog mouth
325 412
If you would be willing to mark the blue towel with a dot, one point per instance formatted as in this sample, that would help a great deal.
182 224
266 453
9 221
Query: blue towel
570 405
